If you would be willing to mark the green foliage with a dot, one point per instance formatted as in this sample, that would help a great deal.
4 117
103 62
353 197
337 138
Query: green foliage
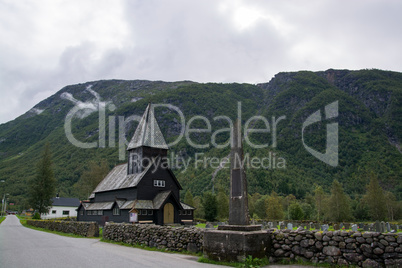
210 205
91 178
375 199
338 205
188 198
274 207
42 187
223 205
296 211
36 216
370 131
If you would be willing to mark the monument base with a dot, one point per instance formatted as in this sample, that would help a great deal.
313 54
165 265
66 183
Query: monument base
240 228
230 245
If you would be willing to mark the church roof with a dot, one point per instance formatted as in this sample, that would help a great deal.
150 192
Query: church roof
65 202
148 132
118 179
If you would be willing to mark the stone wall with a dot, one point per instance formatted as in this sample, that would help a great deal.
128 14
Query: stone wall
88 229
369 249
162 237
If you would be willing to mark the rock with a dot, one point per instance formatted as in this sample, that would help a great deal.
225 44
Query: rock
318 236
353 257
384 242
326 238
342 262
318 245
279 252
378 251
366 248
308 254
304 243
370 264
331 251
390 238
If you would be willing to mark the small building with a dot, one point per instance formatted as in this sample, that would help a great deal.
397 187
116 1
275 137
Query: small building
62 207
143 190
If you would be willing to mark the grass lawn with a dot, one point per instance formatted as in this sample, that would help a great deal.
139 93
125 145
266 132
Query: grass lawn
2 219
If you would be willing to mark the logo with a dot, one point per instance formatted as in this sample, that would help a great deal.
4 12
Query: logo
330 156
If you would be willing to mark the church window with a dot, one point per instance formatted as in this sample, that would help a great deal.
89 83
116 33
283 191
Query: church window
159 183
116 211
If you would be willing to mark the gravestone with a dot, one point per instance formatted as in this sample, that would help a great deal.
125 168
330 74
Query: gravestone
237 240
290 226
347 226
324 227
382 227
209 225
336 226
365 228
354 227
282 226
377 226
388 226
361 225
317 226
372 227
341 225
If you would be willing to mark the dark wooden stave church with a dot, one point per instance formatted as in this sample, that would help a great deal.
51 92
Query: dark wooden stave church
143 188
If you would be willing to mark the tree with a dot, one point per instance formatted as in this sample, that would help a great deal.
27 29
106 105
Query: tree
92 177
392 205
260 207
210 205
338 206
296 211
319 196
43 186
375 199
188 198
199 210
274 207
223 204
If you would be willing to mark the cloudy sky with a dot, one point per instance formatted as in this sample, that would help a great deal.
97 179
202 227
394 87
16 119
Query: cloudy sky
46 45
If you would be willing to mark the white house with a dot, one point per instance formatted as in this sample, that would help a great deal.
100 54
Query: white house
62 207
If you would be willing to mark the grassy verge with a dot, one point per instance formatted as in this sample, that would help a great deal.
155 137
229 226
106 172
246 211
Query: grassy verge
248 263
2 219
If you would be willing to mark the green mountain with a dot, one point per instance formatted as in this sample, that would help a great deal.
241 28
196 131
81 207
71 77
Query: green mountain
369 122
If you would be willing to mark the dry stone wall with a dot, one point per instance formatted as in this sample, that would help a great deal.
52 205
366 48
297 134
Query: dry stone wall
88 229
369 249
162 237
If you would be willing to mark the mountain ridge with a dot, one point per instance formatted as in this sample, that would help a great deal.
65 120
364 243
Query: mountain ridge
369 129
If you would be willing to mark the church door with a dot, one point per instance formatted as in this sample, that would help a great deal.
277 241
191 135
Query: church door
168 213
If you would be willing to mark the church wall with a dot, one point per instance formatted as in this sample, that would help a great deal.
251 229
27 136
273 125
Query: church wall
129 194
147 190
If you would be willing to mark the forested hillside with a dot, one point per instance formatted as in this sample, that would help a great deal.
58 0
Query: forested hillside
369 119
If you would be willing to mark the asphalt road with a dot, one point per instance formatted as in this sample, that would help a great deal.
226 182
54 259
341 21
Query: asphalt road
23 247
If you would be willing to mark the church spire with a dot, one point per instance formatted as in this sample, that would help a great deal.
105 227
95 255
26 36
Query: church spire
148 132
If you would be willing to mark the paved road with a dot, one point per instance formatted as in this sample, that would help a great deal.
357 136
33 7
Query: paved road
24 247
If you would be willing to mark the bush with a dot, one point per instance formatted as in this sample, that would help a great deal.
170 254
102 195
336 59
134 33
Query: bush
36 216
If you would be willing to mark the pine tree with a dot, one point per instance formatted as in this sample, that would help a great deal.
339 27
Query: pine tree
210 206
274 207
188 198
338 204
319 196
375 199
43 186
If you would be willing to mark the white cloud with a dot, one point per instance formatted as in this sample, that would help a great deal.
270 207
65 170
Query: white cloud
45 45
